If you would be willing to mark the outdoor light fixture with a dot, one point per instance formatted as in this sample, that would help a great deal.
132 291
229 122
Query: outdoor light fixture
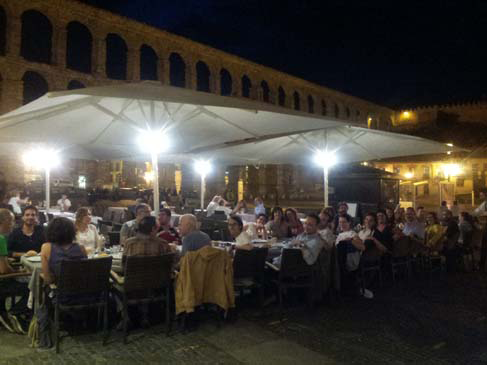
203 168
325 159
449 144
154 141
409 175
452 169
42 159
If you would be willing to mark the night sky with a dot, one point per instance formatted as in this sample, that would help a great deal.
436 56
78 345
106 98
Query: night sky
392 52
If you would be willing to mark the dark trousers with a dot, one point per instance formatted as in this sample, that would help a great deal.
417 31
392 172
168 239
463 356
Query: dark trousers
11 288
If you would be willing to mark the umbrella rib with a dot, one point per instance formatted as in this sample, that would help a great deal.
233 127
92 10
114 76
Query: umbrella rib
123 118
190 115
141 107
216 116
111 122
353 139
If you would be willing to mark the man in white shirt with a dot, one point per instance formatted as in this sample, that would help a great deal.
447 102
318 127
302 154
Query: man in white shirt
64 203
15 201
482 208
259 206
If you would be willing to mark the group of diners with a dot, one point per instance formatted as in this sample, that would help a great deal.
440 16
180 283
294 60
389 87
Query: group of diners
147 235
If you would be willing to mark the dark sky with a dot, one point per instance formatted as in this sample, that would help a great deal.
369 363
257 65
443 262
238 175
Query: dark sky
396 53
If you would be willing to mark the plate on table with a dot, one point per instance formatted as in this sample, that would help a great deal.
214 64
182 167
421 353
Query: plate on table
34 259
259 241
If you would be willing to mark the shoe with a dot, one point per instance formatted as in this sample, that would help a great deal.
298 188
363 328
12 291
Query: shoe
5 321
366 293
17 326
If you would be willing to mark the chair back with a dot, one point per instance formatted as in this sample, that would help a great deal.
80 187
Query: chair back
249 263
401 247
147 272
114 238
219 215
116 227
293 264
477 236
87 276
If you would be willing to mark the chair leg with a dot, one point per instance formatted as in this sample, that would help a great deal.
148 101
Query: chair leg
105 321
168 312
56 327
125 315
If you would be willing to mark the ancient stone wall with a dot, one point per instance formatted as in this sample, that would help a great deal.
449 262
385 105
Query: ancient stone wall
200 67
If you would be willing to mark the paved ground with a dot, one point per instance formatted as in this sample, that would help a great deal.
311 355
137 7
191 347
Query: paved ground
445 323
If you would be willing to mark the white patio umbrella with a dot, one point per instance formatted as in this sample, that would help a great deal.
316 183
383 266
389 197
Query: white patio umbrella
325 147
106 122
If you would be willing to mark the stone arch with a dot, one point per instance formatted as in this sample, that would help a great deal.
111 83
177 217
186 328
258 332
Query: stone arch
177 70
347 112
148 63
265 91
36 37
116 57
311 104
202 77
281 96
34 86
79 43
75 84
3 31
296 101
323 107
336 110
246 86
225 82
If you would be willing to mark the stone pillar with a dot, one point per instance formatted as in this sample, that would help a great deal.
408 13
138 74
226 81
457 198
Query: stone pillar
190 74
215 84
236 85
99 55
59 46
12 94
14 35
133 62
163 68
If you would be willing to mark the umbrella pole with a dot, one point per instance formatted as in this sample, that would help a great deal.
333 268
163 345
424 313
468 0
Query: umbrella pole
202 197
155 186
48 192
325 185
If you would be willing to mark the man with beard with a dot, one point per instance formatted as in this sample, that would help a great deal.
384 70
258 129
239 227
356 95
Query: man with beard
29 237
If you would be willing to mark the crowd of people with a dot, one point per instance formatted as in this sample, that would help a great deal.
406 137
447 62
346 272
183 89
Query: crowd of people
431 233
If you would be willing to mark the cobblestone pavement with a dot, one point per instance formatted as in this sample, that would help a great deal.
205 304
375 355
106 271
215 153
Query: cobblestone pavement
442 323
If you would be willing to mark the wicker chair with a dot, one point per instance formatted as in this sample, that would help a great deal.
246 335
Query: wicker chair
146 279
82 284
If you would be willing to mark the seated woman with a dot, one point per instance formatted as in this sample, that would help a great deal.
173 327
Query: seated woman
370 234
434 233
277 226
349 248
86 233
257 230
242 239
384 230
331 213
59 247
295 225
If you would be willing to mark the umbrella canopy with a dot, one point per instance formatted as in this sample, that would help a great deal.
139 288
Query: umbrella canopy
348 143
103 122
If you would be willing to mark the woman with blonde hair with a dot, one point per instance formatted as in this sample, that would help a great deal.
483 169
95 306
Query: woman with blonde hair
86 233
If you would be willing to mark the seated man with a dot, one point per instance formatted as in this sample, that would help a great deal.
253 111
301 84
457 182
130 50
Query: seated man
242 239
8 287
146 242
193 238
412 227
28 238
166 230
258 229
129 229
64 203
309 241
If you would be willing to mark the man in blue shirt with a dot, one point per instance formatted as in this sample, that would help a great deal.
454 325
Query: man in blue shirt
259 206
193 238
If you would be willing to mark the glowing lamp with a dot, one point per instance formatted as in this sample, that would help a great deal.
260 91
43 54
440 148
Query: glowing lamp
41 158
325 159
155 141
202 167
